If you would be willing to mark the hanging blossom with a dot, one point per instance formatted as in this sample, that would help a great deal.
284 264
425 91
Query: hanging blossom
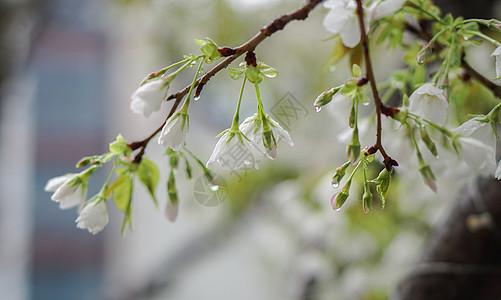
233 151
94 216
174 132
497 54
428 101
265 133
70 190
342 18
148 97
478 145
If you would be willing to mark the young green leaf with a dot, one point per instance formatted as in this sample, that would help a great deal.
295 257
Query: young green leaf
148 173
122 192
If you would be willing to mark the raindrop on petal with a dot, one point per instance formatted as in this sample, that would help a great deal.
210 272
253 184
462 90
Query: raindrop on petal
318 108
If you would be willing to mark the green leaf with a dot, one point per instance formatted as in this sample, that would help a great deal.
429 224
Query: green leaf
267 71
236 73
122 192
148 173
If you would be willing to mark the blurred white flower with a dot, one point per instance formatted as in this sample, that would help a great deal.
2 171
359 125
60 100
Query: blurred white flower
342 18
265 139
171 210
174 132
382 8
479 156
483 161
148 97
233 151
497 53
93 217
428 101
69 190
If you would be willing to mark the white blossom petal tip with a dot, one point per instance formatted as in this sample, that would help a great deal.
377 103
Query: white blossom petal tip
93 217
428 101
174 132
148 98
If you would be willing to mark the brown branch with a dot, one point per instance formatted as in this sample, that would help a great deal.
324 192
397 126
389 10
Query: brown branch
380 108
276 25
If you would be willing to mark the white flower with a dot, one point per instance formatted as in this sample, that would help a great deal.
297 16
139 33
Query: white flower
69 190
342 20
497 54
174 132
265 140
382 8
233 151
148 97
93 217
479 156
171 210
480 143
429 102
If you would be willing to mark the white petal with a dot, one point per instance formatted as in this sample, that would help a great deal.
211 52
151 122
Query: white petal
497 54
350 33
93 217
248 126
280 133
174 132
479 156
171 211
148 98
232 154
387 7
429 102
481 131
54 183
498 171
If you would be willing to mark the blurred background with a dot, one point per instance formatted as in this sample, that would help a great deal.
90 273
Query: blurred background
67 71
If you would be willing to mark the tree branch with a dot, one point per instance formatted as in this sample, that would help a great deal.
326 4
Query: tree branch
276 25
380 108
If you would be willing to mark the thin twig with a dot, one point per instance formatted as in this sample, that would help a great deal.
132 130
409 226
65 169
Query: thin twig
380 108
276 25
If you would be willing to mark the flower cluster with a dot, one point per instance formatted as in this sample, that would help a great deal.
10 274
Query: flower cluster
70 190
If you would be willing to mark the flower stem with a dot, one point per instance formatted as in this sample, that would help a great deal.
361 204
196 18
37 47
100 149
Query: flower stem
188 98
236 117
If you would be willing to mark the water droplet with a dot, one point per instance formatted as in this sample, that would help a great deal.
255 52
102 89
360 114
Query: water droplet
318 108
332 68
335 185
366 103
337 208
214 187
196 98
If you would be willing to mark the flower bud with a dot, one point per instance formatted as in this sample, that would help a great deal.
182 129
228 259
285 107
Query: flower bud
425 137
428 176
209 49
382 184
337 200
424 54
325 98
340 172
367 199
353 150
